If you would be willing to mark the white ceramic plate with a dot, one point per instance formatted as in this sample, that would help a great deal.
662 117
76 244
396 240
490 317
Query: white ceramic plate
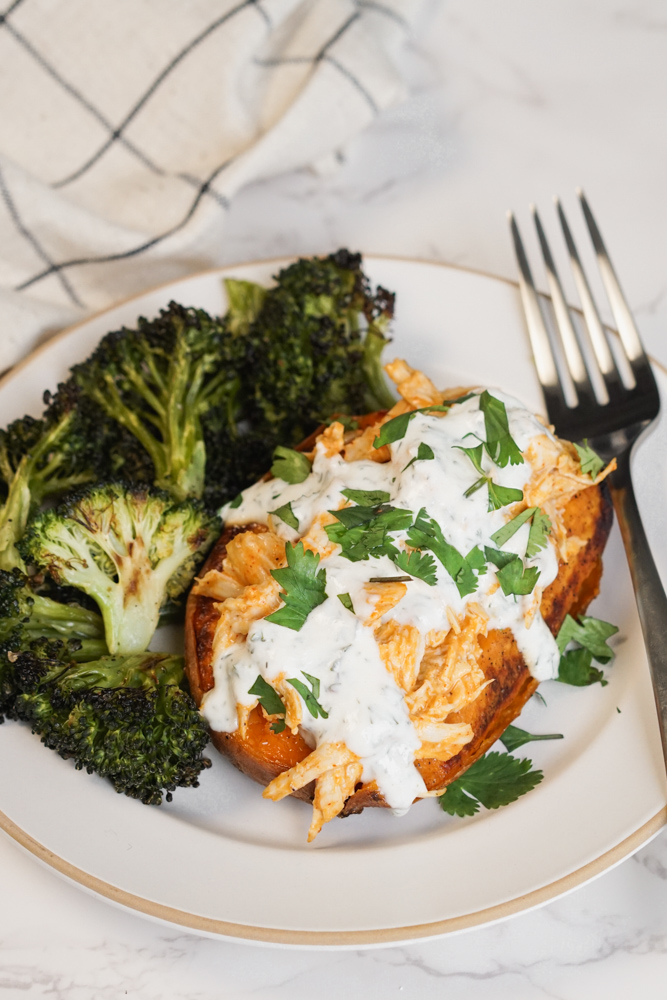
221 860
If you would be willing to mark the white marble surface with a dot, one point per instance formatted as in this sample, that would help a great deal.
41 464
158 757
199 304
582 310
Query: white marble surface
510 102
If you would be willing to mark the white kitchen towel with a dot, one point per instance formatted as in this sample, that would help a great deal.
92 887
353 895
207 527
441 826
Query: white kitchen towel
127 127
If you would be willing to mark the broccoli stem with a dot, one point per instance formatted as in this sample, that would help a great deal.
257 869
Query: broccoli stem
374 344
14 517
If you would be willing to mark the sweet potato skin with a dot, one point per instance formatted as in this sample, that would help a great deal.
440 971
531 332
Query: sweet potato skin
263 754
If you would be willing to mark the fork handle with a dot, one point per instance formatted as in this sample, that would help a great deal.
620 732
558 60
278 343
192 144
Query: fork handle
649 591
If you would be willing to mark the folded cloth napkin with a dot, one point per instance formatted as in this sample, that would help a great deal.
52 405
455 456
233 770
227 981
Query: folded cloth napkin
126 128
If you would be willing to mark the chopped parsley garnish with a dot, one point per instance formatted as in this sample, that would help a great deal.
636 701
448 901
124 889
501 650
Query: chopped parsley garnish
270 701
290 465
576 665
418 564
309 696
395 429
576 668
367 498
346 601
591 633
286 514
390 579
499 496
501 447
427 534
494 780
513 738
424 454
513 576
540 526
590 461
303 585
363 532
236 502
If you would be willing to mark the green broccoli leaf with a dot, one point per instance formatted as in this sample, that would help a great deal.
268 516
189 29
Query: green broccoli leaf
367 498
286 514
267 696
290 465
494 780
576 668
591 633
309 696
427 534
590 461
513 576
346 601
418 564
513 738
501 447
303 585
424 454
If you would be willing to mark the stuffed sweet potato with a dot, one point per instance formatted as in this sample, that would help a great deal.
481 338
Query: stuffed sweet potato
377 613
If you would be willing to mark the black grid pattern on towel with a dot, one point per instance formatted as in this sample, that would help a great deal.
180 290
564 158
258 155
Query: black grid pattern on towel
116 134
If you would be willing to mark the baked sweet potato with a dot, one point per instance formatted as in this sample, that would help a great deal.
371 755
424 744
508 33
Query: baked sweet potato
263 754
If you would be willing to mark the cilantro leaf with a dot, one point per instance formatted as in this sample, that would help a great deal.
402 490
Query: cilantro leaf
474 454
309 696
540 529
508 530
501 447
537 536
576 668
303 585
590 461
290 465
367 498
424 454
513 576
427 534
394 429
346 601
494 780
513 738
236 502
267 696
501 496
365 531
591 633
477 485
418 564
286 514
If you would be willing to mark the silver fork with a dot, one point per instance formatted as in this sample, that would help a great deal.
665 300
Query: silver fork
611 400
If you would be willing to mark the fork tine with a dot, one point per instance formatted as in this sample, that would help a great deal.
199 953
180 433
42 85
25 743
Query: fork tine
543 350
573 352
625 324
597 332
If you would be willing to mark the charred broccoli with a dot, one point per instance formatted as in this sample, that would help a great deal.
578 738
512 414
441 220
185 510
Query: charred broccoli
27 616
130 548
39 459
126 718
159 383
310 355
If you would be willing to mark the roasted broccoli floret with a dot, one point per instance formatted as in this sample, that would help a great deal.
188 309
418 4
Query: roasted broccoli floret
40 458
27 616
315 346
160 382
127 718
130 548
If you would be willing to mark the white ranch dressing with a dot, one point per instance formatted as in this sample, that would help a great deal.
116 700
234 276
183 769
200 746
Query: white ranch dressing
366 708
